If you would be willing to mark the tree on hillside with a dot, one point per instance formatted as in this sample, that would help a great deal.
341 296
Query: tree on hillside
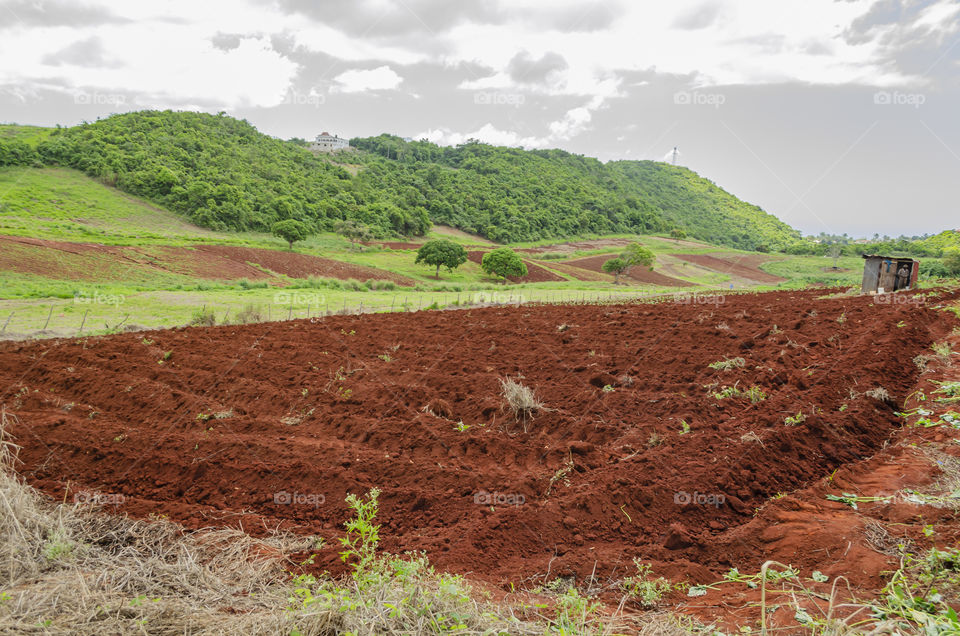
636 254
616 266
442 252
290 231
951 261
677 234
353 231
503 262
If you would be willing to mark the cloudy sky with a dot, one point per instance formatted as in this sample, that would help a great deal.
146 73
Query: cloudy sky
835 115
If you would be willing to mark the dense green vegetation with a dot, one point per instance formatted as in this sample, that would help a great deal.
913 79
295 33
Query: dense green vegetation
222 174
510 195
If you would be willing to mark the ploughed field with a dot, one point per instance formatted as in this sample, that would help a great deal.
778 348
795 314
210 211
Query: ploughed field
634 453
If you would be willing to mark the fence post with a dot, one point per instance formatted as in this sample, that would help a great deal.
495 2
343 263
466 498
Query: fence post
82 322
48 318
7 323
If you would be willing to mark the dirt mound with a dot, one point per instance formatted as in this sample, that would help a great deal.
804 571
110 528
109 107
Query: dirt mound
301 265
739 265
535 273
637 274
633 455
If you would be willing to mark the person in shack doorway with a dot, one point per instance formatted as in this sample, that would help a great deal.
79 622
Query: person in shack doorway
903 277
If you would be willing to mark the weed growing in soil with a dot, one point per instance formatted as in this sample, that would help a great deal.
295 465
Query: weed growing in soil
647 591
879 393
521 400
793 420
728 364
942 349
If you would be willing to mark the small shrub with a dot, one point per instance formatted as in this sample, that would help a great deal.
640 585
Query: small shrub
203 317
249 314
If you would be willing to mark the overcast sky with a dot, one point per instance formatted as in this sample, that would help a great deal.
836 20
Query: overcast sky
837 116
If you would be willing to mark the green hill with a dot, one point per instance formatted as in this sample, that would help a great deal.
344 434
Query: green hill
222 174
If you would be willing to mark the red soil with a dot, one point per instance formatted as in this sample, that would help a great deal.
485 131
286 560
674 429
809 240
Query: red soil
311 408
105 263
301 265
535 273
740 265
637 274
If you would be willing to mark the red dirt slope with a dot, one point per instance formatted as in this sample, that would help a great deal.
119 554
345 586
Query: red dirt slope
742 265
301 265
105 263
637 274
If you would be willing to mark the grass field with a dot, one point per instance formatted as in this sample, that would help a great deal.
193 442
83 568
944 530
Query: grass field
64 205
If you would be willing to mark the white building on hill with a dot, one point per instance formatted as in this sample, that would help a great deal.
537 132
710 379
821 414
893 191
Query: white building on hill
325 142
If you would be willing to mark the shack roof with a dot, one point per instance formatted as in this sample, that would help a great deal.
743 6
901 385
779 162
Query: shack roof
889 258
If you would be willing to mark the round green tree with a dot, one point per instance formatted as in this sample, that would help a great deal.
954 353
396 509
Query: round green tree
503 262
290 231
636 254
677 234
616 266
442 253
951 261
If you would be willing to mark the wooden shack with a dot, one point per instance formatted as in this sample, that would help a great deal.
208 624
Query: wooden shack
882 274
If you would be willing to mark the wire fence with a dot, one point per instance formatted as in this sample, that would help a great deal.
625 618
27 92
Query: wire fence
98 315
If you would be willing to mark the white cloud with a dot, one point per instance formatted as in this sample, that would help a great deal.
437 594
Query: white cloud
377 79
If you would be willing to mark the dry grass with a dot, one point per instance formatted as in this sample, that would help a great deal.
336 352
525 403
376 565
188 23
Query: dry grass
880 394
521 400
70 568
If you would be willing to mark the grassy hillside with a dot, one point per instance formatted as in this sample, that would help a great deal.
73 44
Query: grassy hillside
222 174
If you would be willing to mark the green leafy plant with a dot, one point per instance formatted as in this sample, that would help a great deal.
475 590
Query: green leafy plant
643 587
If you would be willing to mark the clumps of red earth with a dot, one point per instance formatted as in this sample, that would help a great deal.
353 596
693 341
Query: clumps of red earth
633 455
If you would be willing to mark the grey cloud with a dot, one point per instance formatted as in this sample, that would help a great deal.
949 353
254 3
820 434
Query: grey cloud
88 53
525 69
398 21
226 41
699 18
51 13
